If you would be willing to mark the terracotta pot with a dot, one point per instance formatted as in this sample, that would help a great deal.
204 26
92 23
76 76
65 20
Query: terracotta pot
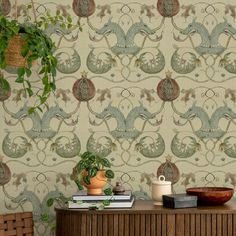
83 89
96 183
5 174
168 89
5 7
168 8
83 8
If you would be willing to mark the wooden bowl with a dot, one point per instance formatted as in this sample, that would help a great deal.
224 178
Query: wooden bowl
211 195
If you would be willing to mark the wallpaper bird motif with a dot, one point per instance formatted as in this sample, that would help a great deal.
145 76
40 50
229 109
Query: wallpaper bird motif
150 86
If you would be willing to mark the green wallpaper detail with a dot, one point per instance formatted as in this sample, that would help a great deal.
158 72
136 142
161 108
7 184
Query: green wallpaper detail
149 86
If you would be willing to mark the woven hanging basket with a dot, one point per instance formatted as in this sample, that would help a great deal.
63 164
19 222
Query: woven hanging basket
13 52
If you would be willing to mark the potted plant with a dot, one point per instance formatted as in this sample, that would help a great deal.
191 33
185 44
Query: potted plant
93 172
33 44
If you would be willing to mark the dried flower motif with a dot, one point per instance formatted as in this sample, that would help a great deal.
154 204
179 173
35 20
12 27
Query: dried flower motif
28 146
103 10
188 9
53 147
63 178
147 93
187 178
230 93
138 147
222 147
230 9
198 147
148 9
188 94
198 62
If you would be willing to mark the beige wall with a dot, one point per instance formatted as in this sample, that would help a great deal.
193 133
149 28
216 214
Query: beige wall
140 131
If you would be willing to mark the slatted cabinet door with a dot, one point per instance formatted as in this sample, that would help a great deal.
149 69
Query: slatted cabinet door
145 219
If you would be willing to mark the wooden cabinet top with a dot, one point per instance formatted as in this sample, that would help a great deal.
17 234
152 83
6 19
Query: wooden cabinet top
147 207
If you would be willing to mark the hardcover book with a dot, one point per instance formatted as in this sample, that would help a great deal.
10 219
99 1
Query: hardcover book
91 204
82 196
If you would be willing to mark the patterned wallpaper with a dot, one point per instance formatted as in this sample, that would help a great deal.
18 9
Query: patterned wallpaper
149 86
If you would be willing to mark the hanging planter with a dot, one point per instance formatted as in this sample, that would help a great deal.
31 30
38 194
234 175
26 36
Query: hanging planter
20 50
168 8
22 44
5 7
168 89
5 174
83 89
83 8
13 55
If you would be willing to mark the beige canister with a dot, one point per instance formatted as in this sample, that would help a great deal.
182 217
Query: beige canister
160 187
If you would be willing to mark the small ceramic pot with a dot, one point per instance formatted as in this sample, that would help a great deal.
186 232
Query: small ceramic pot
118 189
160 187
96 183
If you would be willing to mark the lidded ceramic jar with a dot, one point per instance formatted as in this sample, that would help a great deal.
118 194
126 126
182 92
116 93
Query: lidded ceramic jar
160 187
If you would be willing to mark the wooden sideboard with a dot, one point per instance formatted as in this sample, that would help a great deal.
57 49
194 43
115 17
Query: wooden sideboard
145 219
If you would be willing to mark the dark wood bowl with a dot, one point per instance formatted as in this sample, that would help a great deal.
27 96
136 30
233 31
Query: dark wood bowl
211 195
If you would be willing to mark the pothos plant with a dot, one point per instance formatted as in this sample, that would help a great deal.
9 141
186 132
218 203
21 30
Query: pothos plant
37 46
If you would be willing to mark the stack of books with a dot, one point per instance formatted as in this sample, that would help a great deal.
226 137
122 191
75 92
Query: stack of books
82 201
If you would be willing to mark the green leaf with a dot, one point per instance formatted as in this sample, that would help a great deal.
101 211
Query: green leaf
4 84
79 185
91 159
28 72
80 166
58 12
105 162
69 19
43 99
31 110
109 174
44 217
86 155
86 179
92 208
92 172
19 80
88 162
30 92
106 202
24 51
45 80
39 108
108 191
50 202
21 71
53 86
60 17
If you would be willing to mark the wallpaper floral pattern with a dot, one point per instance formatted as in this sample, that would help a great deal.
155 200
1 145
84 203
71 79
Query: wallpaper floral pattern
149 86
